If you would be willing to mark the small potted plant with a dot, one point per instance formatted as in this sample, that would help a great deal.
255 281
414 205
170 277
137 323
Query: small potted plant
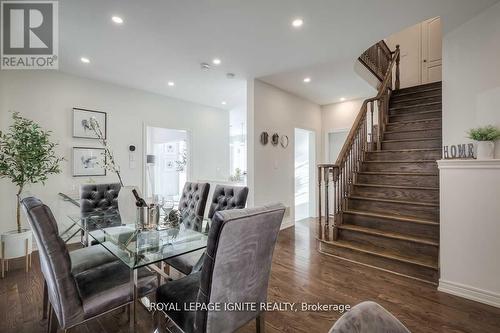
485 138
27 156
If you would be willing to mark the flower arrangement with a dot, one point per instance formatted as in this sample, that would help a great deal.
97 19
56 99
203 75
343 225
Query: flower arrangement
109 162
486 133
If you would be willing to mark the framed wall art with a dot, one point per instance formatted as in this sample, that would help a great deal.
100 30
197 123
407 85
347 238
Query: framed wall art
81 123
89 162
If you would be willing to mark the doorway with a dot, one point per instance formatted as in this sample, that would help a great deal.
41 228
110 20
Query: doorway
335 142
305 162
166 163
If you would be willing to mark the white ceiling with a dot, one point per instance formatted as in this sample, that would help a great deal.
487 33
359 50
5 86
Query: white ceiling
166 40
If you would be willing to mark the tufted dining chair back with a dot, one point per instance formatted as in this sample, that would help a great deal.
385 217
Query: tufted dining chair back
99 197
228 197
192 204
55 263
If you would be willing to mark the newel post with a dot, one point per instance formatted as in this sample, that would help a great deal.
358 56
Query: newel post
397 83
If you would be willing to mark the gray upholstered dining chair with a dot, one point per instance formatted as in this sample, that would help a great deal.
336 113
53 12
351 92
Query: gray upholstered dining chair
224 198
236 269
78 291
368 317
192 204
99 197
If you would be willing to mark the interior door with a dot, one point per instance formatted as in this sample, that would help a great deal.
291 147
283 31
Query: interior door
431 50
410 44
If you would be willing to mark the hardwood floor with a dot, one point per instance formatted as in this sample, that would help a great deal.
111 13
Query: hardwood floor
299 274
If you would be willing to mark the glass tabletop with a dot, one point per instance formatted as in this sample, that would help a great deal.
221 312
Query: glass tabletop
138 247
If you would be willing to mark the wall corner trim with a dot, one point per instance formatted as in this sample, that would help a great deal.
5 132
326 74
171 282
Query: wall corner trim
469 164
475 294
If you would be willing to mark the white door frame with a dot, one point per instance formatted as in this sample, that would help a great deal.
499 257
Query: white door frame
189 139
312 182
327 140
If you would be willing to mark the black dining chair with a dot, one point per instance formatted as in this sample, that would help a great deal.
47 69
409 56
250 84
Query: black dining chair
78 291
224 198
236 269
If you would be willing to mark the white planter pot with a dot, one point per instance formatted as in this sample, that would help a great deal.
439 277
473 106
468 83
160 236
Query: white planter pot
126 204
485 150
14 244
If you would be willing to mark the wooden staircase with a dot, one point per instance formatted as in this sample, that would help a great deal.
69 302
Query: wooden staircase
389 218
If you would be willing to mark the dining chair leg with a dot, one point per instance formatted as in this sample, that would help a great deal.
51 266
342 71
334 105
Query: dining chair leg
52 324
260 323
45 300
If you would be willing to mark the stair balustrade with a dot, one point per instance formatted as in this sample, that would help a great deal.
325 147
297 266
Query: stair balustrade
335 180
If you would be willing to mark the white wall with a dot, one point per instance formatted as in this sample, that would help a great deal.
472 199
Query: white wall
470 228
337 116
471 76
48 98
277 111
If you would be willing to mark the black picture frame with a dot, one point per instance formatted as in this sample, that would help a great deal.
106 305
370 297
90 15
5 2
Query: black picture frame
77 115
77 173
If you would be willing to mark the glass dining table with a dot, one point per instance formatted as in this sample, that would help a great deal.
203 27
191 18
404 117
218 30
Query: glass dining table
137 247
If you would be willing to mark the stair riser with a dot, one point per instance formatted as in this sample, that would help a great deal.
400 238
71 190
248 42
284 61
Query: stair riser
436 143
399 209
412 180
435 123
406 248
416 94
406 228
404 155
434 133
415 271
401 116
419 88
416 108
397 193
425 167
405 101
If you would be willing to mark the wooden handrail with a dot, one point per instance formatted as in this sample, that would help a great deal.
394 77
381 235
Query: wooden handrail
361 138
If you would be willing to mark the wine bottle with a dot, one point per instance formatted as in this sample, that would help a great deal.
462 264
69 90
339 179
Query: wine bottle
139 202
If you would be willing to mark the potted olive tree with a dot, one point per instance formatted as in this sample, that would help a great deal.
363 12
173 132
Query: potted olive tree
485 138
27 156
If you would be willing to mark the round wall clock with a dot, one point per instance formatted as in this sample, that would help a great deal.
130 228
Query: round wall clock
275 139
284 141
264 138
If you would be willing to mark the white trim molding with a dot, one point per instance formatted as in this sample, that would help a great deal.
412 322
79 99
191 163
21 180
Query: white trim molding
475 294
469 164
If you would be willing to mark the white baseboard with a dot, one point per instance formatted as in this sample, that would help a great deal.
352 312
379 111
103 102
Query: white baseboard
472 293
287 223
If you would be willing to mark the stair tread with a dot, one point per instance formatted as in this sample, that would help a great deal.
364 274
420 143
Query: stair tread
437 84
413 139
401 150
415 98
407 219
414 121
413 106
417 203
388 234
421 261
398 93
414 112
401 161
414 130
397 173
398 186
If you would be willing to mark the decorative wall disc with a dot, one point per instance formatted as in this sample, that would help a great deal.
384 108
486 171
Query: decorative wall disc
284 141
264 138
275 139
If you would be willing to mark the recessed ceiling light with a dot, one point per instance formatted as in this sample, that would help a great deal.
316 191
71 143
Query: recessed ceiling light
223 103
216 61
117 19
171 83
307 80
297 23
342 99
85 60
